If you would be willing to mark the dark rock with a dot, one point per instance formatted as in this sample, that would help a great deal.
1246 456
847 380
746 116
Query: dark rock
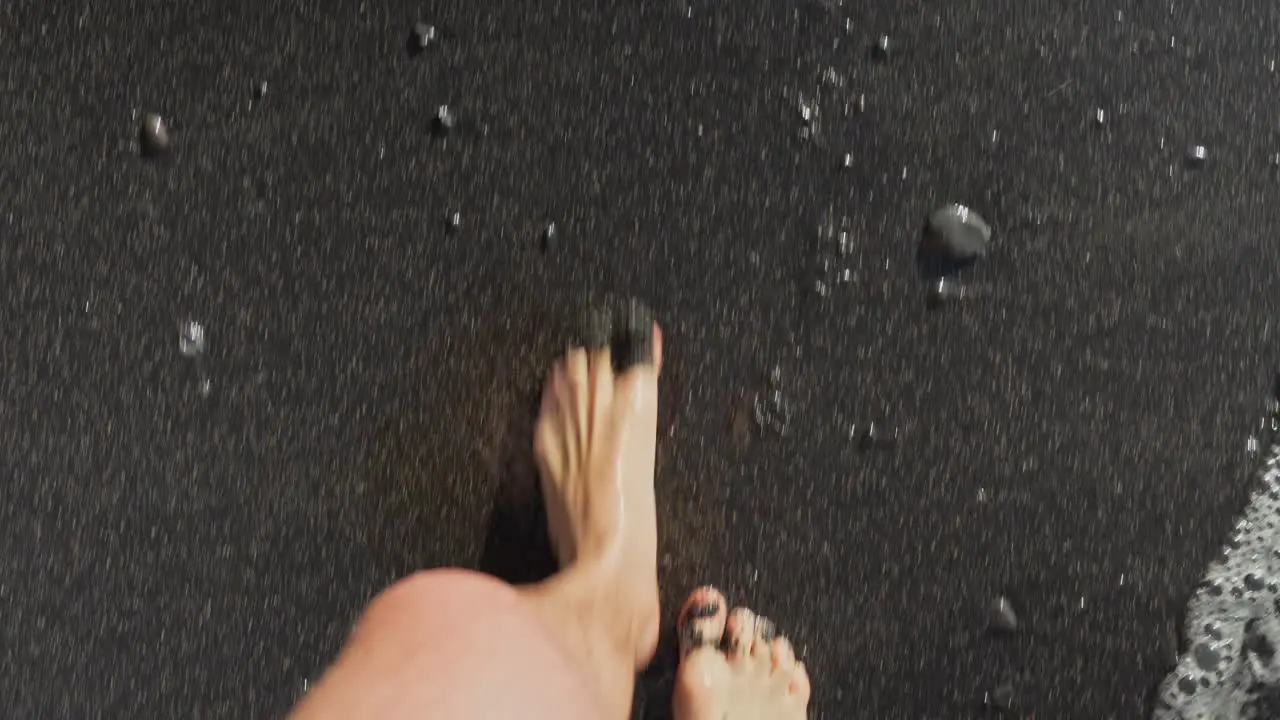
1002 698
880 50
954 236
444 121
422 37
874 435
550 236
1001 617
1197 155
958 232
154 136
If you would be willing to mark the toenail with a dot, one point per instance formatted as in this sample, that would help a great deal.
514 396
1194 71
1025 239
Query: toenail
702 612
692 637
633 337
766 629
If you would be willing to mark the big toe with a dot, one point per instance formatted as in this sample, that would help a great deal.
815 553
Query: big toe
702 620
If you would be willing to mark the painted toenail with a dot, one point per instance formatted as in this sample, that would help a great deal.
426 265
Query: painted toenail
691 636
702 612
632 337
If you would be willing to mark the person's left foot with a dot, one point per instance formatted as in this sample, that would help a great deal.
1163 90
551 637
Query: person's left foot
595 442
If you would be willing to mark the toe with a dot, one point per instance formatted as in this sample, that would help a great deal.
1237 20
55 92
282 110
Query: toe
762 643
702 620
549 439
740 633
601 368
638 384
551 389
799 687
634 338
577 375
784 656
576 368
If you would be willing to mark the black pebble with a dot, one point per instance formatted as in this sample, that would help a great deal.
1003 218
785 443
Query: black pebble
154 136
454 221
260 90
423 36
1196 156
549 237
954 237
958 232
874 435
1002 698
880 50
444 121
1000 616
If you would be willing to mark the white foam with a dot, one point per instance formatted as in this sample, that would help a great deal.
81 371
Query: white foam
1232 627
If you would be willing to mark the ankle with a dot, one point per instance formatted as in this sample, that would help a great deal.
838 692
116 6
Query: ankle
613 612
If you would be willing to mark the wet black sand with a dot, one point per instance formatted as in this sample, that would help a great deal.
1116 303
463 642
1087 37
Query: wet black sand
1071 435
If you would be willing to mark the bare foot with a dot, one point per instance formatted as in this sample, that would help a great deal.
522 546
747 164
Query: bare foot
756 676
595 443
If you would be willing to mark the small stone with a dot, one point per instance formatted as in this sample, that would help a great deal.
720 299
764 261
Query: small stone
154 136
550 235
880 50
1100 116
847 162
1002 698
455 221
260 90
191 339
873 435
957 232
1000 616
444 121
1196 155
861 104
424 35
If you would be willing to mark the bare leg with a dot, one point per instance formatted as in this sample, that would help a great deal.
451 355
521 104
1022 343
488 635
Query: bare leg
451 643
755 676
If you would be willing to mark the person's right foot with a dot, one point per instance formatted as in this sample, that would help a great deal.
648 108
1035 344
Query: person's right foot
756 675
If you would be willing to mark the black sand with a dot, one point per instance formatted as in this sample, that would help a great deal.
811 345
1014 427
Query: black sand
1070 433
